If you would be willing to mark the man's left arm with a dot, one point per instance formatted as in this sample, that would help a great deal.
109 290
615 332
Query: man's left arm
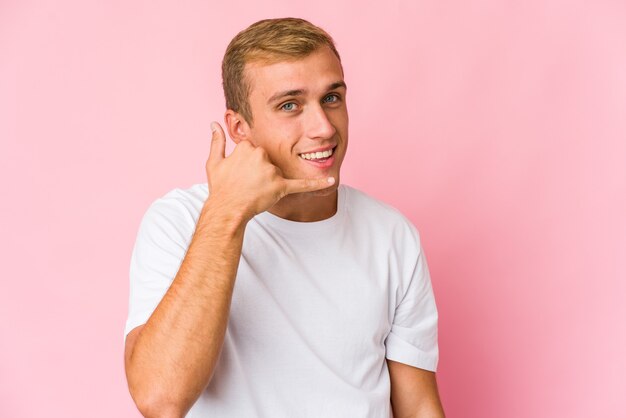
414 392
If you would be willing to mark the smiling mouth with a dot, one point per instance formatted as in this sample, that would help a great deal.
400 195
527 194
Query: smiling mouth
319 156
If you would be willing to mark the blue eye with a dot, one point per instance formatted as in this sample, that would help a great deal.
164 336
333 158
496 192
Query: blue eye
288 106
334 98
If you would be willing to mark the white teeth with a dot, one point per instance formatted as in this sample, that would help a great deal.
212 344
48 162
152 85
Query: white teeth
317 155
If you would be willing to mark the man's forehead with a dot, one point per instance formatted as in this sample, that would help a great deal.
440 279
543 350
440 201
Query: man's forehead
268 79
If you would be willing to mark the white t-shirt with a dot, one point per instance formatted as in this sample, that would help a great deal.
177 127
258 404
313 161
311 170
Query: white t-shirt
316 307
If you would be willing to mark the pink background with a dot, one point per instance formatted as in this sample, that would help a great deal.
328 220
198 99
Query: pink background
498 128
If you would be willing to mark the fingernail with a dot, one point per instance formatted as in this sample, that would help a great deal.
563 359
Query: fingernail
213 126
331 180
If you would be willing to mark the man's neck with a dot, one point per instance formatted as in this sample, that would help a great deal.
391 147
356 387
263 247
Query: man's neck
306 207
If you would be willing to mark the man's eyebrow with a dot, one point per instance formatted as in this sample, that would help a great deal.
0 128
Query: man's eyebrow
337 84
286 93
300 92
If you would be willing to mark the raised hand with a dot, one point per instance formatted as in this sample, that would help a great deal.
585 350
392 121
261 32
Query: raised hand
246 180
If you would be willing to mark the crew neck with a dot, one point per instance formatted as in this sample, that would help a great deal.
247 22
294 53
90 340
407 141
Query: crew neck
289 226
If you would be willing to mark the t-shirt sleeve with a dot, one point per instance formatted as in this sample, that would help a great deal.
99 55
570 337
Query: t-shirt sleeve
164 235
413 336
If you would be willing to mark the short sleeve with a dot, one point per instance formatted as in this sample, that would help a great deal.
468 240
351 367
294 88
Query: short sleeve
413 336
162 241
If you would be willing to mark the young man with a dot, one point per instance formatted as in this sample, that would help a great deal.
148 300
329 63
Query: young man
273 290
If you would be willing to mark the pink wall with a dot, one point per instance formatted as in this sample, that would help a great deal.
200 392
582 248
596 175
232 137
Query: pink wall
499 128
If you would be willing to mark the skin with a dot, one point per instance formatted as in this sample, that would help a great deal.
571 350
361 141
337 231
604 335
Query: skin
297 123
170 360
414 392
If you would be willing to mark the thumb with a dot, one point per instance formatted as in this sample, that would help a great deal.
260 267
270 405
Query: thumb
307 185
218 144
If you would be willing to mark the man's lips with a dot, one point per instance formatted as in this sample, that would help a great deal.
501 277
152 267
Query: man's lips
320 159
321 149
318 154
321 163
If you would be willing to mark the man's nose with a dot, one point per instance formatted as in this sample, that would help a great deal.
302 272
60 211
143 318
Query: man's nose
318 124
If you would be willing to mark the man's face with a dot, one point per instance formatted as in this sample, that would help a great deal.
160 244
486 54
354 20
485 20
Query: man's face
299 110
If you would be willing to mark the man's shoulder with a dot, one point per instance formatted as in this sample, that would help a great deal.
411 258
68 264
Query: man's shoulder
359 201
181 206
193 196
379 217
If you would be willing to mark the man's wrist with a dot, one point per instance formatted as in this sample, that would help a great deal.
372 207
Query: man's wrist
217 212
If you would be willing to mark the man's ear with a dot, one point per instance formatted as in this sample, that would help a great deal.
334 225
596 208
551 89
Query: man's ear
238 128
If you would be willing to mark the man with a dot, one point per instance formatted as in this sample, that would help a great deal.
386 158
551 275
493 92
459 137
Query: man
273 290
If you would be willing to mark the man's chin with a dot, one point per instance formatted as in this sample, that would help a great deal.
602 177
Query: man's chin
325 192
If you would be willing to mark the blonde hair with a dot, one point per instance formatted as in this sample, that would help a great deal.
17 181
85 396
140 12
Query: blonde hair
267 41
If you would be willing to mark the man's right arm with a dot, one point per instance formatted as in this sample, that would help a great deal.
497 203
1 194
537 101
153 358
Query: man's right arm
170 359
